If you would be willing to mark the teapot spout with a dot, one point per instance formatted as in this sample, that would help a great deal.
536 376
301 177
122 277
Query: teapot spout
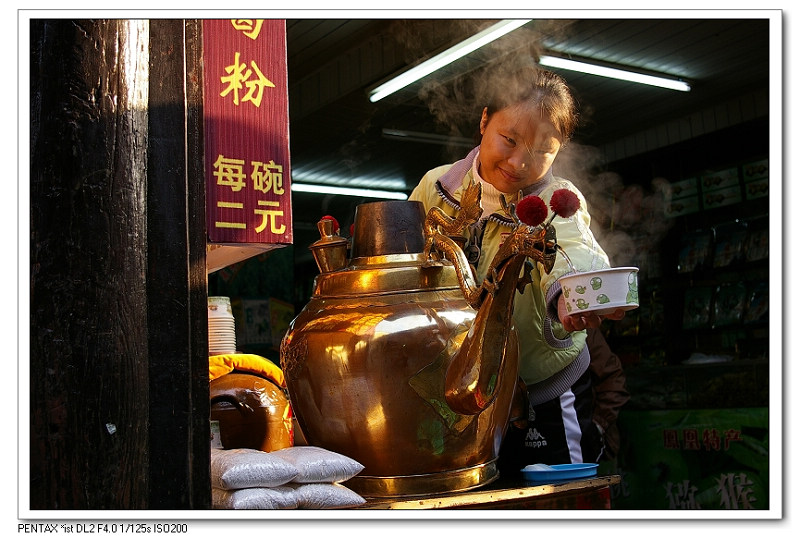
490 350
472 376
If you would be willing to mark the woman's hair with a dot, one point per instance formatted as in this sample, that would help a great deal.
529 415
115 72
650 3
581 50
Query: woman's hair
529 85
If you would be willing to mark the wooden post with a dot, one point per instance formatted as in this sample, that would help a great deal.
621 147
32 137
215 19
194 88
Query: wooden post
118 350
177 286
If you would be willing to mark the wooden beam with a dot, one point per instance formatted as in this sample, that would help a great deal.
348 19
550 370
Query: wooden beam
176 283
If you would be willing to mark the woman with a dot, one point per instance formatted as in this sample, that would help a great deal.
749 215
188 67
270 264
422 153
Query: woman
522 129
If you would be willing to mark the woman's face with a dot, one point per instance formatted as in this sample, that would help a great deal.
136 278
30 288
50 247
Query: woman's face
518 147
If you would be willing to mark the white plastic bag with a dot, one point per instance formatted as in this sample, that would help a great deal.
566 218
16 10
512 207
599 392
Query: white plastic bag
319 496
277 498
315 464
240 468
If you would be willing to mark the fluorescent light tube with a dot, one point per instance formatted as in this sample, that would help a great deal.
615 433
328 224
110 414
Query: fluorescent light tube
608 72
427 138
348 191
445 58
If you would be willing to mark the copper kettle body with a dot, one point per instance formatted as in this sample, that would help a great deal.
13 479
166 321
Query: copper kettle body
401 360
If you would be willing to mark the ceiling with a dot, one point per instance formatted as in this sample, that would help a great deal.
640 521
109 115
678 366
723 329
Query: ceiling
337 135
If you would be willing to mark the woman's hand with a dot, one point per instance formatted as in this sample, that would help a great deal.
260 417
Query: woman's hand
583 320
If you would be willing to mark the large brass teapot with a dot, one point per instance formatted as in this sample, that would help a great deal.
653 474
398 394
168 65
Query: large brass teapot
401 360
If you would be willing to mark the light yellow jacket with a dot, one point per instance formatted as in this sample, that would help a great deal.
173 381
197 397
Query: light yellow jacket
551 359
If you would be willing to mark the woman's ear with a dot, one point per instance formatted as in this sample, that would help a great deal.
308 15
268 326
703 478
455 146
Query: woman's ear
484 119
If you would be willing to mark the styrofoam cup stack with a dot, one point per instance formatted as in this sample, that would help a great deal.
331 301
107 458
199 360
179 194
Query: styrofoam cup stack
221 326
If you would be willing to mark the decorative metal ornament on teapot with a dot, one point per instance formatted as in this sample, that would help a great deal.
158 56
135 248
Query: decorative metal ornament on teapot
401 360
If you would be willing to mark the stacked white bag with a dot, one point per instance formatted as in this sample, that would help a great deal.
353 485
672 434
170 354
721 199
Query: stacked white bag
305 477
320 471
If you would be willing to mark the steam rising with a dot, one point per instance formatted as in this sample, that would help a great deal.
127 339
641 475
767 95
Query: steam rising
627 218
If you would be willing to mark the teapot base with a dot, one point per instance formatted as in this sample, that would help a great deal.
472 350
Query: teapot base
453 481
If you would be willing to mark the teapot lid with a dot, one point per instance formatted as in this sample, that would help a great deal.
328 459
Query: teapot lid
387 255
389 274
388 227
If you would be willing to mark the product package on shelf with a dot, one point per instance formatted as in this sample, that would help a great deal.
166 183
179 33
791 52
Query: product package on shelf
684 198
756 179
730 304
721 188
683 206
756 245
683 188
697 307
757 303
722 197
695 251
758 188
261 322
720 179
756 170
729 243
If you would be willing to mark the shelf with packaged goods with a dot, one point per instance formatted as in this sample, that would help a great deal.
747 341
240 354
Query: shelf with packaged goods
704 290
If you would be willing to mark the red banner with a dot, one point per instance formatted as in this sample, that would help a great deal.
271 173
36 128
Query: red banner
246 116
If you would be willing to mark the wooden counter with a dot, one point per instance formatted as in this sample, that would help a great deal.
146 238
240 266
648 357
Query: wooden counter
585 494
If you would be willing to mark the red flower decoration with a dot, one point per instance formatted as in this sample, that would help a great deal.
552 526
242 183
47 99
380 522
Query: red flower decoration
564 203
335 222
352 229
532 210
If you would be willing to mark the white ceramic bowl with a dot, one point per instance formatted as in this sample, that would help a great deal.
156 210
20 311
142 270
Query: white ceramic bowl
601 292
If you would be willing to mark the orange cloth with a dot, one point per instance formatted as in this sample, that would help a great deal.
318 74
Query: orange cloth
219 365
